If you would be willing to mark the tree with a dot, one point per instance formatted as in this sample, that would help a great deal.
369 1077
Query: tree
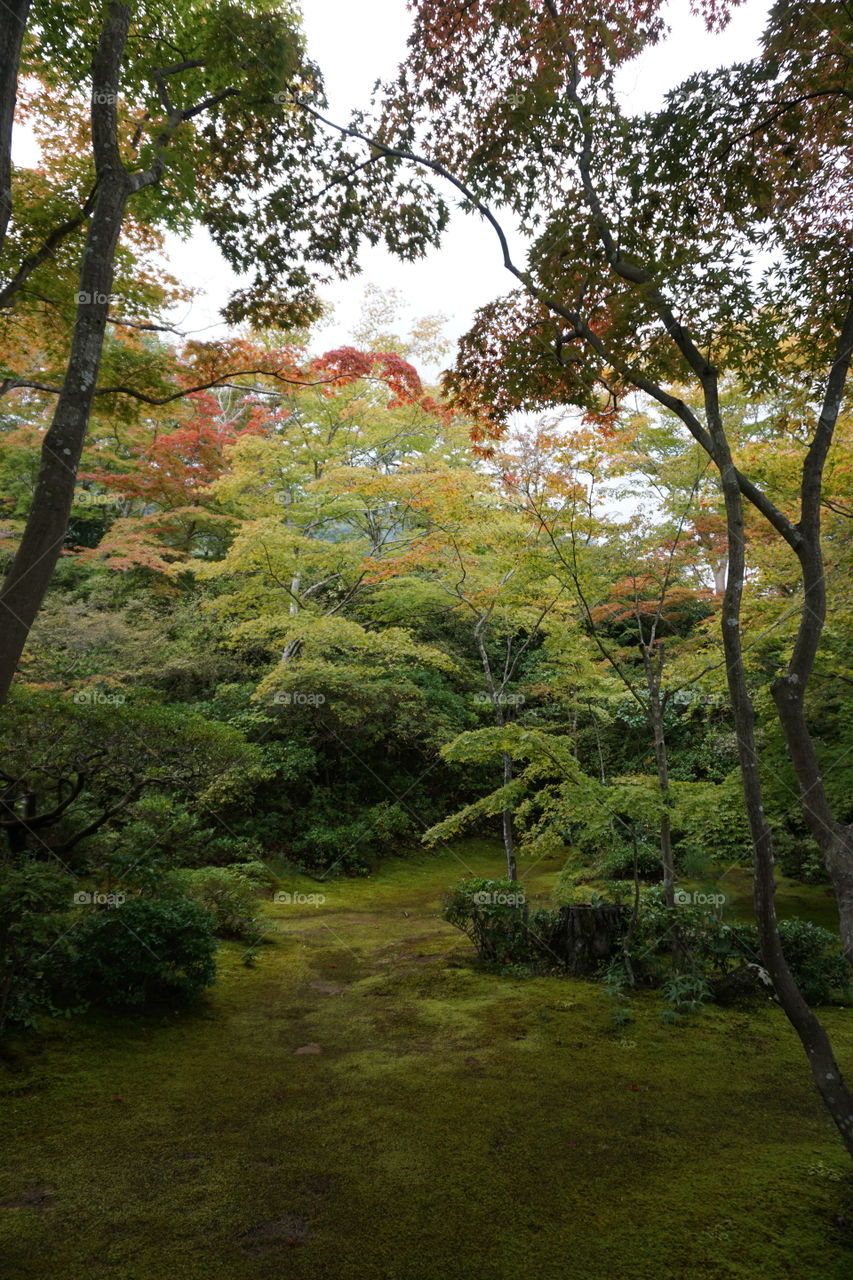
82 756
645 276
13 23
313 485
491 572
649 603
206 138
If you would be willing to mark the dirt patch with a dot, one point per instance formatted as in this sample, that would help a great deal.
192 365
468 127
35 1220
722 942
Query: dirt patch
32 1198
288 1231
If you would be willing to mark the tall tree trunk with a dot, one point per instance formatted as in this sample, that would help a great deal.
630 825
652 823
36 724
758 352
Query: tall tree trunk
32 568
834 838
825 1073
13 22
666 854
295 585
653 669
509 846
824 1068
496 694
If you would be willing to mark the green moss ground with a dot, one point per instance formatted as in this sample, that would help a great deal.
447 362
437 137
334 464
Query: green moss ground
454 1126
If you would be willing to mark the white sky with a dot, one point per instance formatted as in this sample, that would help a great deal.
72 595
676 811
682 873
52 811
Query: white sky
357 43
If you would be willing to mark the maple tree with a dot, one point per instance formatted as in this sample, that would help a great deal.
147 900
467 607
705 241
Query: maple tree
308 610
665 253
104 751
162 144
555 535
489 571
320 499
315 460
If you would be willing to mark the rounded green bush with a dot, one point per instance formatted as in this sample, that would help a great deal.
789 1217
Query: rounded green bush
147 949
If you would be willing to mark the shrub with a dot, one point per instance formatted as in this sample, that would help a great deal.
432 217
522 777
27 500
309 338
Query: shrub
147 949
140 848
688 952
799 857
35 902
815 957
228 895
618 862
713 955
349 842
261 875
816 960
94 758
493 914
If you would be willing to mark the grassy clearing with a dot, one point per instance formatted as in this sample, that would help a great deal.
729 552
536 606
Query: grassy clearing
452 1124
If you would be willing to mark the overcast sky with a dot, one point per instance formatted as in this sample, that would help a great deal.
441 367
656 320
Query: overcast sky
357 43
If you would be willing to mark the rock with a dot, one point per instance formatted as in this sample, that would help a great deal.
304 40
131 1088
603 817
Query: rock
744 981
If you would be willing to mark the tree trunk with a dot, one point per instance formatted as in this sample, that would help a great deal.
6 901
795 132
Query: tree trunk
13 22
834 839
661 758
32 568
295 584
824 1068
496 694
511 865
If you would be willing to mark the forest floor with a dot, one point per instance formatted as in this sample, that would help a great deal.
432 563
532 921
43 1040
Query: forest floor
366 1103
